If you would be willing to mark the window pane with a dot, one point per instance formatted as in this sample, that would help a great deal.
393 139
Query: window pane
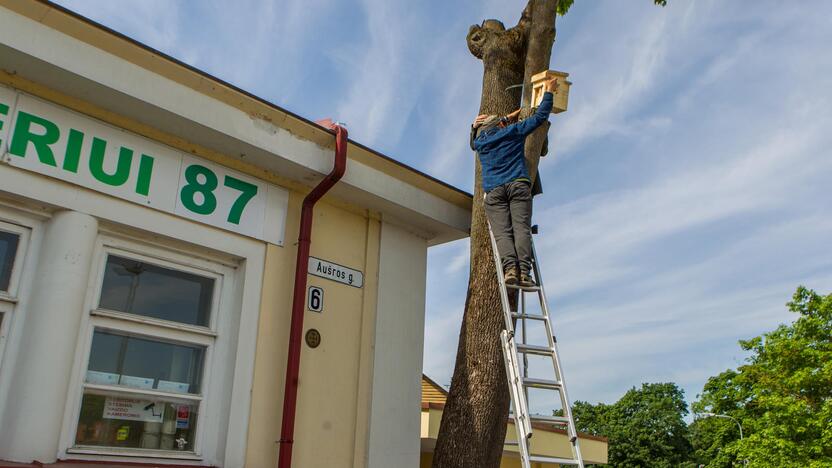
153 291
115 421
142 363
8 249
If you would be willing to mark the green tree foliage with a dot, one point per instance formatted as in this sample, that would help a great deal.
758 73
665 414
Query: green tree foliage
646 427
564 5
782 396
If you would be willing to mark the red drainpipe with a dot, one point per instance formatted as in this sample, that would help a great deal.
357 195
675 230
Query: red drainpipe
290 393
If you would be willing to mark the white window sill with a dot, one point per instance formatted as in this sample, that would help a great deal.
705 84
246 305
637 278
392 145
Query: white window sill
5 297
132 453
168 396
151 321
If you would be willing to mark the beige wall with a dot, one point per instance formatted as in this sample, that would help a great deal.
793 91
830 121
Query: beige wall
397 363
330 428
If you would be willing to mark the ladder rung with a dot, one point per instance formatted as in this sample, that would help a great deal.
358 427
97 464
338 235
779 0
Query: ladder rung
541 383
511 416
529 316
523 288
533 349
560 461
549 419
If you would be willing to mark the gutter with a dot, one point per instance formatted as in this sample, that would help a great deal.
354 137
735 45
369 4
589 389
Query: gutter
290 393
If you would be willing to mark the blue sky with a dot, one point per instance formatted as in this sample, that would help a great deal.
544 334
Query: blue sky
688 189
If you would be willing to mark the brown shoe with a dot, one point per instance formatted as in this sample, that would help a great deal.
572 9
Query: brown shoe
526 281
510 275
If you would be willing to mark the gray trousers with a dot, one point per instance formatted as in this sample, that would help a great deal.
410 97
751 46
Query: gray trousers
508 208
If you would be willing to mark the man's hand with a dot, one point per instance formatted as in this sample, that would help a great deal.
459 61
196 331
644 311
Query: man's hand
552 86
479 120
513 116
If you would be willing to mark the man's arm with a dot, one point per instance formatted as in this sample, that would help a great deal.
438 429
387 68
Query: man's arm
513 116
474 128
542 113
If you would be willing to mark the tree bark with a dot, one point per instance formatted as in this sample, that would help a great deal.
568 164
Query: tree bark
473 427
538 54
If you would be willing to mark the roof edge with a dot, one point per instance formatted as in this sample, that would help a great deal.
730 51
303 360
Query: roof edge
433 382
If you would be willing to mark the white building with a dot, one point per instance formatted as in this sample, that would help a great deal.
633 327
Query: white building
148 217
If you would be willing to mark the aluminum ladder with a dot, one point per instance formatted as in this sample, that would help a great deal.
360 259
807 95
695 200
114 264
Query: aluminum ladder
520 383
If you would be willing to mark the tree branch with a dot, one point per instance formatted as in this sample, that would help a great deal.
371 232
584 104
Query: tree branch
526 16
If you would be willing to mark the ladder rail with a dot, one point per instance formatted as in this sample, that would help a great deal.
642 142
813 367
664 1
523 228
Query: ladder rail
502 282
523 425
522 309
519 384
550 335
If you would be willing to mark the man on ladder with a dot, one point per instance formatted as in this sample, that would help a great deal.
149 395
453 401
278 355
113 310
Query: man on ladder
505 179
508 207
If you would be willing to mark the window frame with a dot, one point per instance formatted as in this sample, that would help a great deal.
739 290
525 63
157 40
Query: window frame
164 263
6 313
23 233
10 298
208 407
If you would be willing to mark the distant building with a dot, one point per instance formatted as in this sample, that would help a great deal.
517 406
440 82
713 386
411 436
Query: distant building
547 440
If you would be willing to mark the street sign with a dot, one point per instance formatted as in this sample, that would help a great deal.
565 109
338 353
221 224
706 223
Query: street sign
315 299
335 272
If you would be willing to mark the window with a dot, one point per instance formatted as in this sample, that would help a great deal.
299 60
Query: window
144 289
13 240
152 333
8 252
140 362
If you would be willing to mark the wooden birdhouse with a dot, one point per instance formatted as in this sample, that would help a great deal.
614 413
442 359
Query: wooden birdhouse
562 94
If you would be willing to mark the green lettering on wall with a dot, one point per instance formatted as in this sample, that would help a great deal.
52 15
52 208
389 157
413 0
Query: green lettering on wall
97 155
145 173
195 186
73 150
247 192
23 135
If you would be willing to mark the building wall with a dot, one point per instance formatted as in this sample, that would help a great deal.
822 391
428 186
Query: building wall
331 418
349 413
358 399
45 353
400 325
358 395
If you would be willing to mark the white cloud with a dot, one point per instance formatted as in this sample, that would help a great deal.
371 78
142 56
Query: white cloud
154 22
385 81
607 95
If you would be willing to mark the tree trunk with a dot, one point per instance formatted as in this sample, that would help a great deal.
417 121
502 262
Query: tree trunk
473 426
539 51
474 421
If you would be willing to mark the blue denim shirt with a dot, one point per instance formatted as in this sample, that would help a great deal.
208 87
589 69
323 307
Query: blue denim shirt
501 150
